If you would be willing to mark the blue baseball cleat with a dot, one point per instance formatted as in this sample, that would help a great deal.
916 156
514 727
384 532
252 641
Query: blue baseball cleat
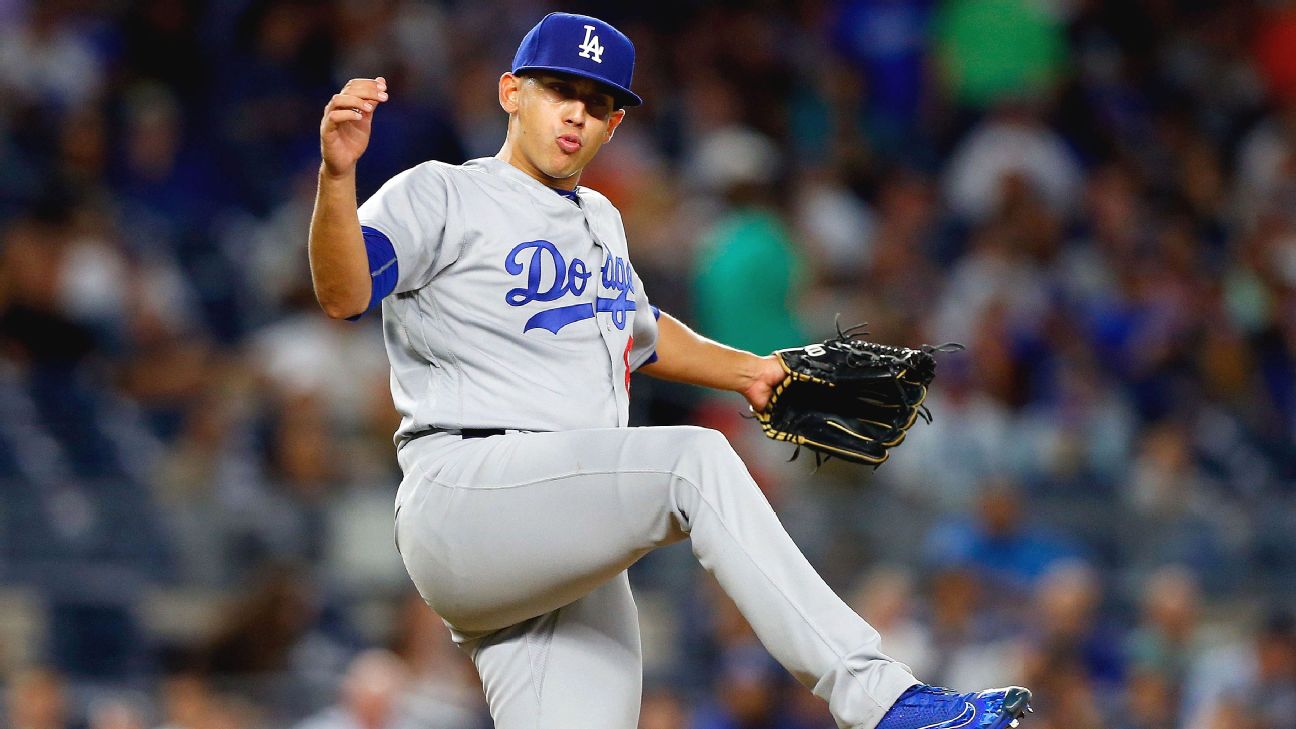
932 707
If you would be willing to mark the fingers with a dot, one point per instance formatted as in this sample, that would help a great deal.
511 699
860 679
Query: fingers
358 98
372 89
355 103
340 116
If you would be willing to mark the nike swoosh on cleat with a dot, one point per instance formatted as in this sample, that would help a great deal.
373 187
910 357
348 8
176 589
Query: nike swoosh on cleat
958 722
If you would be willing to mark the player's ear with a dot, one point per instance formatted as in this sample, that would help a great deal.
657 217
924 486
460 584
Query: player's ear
510 87
614 121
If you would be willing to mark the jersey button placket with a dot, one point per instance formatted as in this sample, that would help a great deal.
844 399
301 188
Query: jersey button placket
614 355
608 254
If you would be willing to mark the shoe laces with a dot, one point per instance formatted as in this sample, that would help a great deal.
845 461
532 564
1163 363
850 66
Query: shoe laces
936 690
922 706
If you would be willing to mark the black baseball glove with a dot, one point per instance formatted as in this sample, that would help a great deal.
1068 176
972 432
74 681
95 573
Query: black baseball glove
850 398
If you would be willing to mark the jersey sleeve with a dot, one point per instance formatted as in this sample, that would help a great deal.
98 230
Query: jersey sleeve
410 212
644 330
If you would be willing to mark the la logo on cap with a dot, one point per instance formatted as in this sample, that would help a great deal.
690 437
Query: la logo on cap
591 48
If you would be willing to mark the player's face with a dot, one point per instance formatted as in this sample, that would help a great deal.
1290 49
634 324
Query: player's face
559 122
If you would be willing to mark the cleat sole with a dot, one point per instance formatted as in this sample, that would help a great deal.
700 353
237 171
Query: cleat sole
1016 705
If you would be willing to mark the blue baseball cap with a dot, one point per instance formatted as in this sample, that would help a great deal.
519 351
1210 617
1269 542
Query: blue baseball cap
582 46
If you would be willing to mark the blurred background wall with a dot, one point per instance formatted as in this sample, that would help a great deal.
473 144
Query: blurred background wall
1098 198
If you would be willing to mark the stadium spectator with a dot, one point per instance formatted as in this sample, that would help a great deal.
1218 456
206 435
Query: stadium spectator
1000 49
748 269
36 698
999 542
116 713
662 709
187 702
1252 682
1066 623
1168 637
370 697
745 694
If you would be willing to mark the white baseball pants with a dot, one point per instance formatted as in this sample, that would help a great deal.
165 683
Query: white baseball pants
521 543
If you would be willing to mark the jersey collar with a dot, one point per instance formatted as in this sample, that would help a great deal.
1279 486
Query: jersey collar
497 166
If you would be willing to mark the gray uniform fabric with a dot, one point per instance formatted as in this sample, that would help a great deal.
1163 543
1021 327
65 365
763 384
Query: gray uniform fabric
521 541
514 307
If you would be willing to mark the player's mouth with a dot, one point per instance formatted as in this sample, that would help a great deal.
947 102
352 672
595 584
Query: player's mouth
569 143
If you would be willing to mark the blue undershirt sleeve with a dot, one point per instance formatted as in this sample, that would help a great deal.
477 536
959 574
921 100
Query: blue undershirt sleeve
383 269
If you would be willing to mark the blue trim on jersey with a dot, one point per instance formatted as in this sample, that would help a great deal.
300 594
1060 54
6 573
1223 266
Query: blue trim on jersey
656 312
383 268
569 194
651 358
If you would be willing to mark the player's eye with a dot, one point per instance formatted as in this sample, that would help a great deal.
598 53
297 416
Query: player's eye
598 106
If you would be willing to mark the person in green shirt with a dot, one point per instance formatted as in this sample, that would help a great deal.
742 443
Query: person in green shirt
748 266
994 50
746 275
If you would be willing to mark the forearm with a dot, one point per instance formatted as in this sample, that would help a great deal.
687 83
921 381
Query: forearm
685 356
338 261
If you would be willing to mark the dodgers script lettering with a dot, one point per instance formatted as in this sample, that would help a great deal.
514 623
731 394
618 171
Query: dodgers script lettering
548 276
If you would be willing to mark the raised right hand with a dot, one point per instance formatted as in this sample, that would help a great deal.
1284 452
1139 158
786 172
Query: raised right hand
348 117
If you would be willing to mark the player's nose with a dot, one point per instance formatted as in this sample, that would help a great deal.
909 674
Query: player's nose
575 113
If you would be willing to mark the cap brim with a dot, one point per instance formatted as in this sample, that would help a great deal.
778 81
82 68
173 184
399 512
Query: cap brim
620 94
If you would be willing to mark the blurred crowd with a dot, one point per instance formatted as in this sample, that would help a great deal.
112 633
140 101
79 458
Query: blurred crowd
1097 198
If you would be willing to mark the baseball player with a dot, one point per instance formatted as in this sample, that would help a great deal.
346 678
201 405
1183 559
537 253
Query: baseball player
513 318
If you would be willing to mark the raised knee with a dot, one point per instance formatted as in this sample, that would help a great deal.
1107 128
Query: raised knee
703 446
705 440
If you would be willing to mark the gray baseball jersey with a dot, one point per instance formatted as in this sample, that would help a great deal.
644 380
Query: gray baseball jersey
514 307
